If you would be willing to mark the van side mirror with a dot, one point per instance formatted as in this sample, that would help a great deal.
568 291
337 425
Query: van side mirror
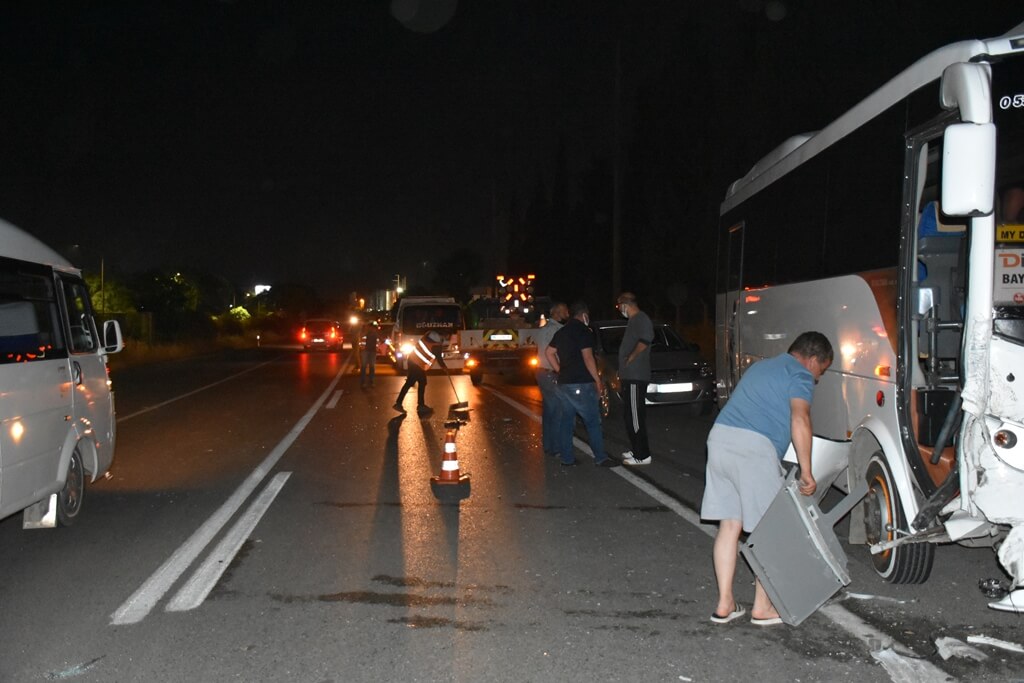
112 339
968 169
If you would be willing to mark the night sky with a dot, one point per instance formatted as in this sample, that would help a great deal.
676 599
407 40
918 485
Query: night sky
339 143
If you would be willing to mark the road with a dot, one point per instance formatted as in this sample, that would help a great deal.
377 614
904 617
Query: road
268 520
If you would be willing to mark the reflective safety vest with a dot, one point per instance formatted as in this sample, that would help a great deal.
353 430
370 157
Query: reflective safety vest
421 353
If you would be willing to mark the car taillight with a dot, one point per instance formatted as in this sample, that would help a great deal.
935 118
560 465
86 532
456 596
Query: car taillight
334 334
303 334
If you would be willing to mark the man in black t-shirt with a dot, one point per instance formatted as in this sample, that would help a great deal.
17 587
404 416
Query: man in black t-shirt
571 354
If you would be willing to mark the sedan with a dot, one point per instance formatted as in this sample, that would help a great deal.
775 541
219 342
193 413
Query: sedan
678 373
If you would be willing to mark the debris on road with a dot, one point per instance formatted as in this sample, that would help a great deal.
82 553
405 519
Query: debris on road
995 642
883 598
951 647
993 588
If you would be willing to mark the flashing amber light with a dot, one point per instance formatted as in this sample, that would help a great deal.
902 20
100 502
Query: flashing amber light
534 361
471 362
883 371
751 299
303 334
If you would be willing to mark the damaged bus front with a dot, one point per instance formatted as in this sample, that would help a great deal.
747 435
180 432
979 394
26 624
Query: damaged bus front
898 232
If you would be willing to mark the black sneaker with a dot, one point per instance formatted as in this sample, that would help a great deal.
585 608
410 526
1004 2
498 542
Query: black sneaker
399 408
608 462
569 464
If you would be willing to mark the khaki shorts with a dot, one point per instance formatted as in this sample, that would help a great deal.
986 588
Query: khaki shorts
743 476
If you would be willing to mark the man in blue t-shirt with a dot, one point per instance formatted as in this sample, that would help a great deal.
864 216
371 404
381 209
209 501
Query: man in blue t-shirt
770 407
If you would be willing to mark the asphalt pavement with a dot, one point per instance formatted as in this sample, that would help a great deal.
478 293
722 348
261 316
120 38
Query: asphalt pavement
269 520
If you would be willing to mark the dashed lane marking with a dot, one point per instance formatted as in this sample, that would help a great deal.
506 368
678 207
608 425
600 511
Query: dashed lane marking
333 403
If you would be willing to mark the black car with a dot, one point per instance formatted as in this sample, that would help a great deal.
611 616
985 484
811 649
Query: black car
678 373
320 333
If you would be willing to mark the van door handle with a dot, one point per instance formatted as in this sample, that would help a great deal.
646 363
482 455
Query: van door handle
76 372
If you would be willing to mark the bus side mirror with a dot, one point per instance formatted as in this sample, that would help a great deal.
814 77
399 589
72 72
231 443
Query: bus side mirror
968 169
112 339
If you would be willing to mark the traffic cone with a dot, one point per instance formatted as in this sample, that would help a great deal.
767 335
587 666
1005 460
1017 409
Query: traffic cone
450 465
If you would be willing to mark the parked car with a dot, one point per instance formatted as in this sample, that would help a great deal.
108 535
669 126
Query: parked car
385 347
321 333
678 373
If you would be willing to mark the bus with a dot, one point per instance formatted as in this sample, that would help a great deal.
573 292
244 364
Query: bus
898 231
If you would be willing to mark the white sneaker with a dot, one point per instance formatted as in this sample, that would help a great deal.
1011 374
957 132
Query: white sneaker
628 459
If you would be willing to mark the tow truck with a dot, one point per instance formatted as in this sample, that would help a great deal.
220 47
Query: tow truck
502 341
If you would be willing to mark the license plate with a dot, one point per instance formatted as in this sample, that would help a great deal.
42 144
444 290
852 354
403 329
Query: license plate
669 388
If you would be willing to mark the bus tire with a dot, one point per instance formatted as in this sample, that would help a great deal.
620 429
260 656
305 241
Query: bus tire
476 378
69 498
904 564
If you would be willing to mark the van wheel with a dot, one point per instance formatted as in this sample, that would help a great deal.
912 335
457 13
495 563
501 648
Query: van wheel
910 563
70 498
476 378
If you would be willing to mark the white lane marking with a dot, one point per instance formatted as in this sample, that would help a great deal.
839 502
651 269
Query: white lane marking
191 393
202 581
901 669
333 403
142 601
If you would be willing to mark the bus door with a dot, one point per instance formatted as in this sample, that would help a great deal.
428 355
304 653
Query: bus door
936 272
729 346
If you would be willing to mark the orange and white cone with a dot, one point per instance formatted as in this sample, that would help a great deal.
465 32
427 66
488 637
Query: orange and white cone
450 464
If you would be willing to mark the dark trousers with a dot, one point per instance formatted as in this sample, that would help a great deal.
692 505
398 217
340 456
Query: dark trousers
367 365
634 413
416 375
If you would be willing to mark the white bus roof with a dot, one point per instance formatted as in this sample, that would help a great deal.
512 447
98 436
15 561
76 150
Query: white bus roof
17 244
798 149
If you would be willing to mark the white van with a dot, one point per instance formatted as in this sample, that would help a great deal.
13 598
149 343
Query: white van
418 315
56 404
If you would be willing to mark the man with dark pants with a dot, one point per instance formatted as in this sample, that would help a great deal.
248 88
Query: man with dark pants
635 375
426 351
571 354
547 379
368 355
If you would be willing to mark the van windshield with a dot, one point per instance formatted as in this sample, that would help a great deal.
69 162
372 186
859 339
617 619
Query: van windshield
422 319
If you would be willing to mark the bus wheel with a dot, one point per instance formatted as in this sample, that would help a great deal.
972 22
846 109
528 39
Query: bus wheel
69 499
476 378
910 563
